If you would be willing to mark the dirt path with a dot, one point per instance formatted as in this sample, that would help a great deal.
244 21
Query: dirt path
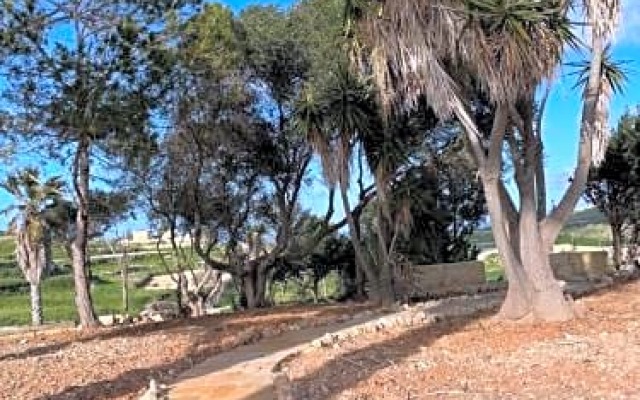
117 363
246 373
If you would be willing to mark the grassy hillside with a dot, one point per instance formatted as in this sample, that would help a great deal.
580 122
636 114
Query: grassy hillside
586 217
585 228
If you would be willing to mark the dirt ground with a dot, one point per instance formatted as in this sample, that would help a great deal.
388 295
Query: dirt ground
597 357
117 363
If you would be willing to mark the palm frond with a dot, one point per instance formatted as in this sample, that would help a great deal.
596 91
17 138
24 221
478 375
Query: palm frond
509 45
614 72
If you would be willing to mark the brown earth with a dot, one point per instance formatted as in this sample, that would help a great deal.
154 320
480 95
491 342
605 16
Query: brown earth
117 363
596 357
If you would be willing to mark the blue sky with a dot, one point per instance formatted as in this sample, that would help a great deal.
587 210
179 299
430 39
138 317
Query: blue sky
560 123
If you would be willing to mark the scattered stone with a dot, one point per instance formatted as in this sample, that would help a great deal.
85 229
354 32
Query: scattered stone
160 310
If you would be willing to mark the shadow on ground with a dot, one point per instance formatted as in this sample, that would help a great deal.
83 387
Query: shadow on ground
347 370
205 343
335 376
207 322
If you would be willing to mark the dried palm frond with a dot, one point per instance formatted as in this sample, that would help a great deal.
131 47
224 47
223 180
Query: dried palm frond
509 46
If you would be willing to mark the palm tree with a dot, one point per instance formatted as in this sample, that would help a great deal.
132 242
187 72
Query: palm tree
32 229
345 125
336 120
449 51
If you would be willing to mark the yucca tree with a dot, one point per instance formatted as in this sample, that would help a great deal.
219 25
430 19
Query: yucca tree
33 197
449 51
336 119
344 122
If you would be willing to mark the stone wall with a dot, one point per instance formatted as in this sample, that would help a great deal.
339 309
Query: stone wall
575 266
439 278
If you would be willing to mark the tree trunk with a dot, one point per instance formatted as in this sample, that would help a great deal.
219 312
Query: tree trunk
261 285
83 300
316 291
36 304
30 257
517 301
49 266
249 285
385 276
361 262
548 302
632 252
125 280
616 235
358 282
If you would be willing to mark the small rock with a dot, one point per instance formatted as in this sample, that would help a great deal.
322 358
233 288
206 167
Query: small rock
421 366
156 318
106 320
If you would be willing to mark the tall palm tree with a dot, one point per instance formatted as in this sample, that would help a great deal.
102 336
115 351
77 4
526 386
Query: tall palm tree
450 50
33 197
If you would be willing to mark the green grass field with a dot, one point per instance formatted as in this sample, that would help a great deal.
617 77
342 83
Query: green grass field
58 291
58 302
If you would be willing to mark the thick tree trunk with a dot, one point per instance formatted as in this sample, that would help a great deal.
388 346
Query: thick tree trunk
518 300
386 291
254 284
616 235
36 304
250 286
261 285
547 300
79 263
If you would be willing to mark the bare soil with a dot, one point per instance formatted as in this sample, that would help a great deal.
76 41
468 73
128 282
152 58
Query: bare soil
596 357
117 363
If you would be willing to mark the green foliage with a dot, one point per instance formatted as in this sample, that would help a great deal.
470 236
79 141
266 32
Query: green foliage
614 186
318 25
493 268
213 41
446 207
613 71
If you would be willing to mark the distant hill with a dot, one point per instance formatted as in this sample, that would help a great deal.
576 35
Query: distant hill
588 216
585 227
